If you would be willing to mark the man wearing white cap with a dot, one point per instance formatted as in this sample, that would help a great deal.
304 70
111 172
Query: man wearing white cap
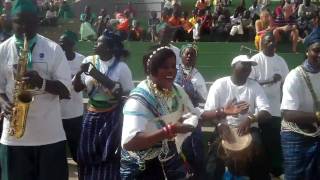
238 88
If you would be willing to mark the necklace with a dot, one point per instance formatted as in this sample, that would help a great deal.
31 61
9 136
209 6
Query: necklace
164 93
164 97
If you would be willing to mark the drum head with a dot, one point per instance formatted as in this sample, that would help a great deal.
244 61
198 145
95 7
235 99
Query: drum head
239 143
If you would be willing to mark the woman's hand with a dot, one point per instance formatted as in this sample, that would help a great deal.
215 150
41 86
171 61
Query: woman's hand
182 128
234 108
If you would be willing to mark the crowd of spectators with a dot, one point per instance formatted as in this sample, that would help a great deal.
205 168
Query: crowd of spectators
208 21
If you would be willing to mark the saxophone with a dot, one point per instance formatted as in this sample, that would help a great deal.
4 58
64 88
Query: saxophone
22 96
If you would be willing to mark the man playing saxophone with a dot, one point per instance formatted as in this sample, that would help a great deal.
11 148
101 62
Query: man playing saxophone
40 151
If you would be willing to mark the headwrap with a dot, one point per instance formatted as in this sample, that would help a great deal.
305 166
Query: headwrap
186 46
313 37
114 42
20 6
71 36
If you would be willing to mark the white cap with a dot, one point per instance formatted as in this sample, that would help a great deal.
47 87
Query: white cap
243 58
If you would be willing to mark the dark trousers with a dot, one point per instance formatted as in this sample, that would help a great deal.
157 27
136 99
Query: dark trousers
301 156
47 162
270 133
72 128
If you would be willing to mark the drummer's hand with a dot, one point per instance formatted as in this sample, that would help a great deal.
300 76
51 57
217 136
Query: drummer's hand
183 128
33 78
234 108
244 127
225 132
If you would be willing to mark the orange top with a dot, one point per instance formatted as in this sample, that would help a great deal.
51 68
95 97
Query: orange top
173 21
201 6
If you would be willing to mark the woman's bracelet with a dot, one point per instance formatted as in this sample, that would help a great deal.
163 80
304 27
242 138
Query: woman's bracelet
169 130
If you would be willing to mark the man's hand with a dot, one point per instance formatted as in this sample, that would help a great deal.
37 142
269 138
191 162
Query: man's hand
234 108
6 106
276 78
33 78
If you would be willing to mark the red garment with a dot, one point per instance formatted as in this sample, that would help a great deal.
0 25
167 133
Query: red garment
124 25
174 21
278 10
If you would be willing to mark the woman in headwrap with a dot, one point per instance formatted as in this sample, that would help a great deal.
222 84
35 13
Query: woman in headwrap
99 148
300 136
86 30
152 117
193 83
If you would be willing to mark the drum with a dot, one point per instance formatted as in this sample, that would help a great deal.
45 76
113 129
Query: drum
238 153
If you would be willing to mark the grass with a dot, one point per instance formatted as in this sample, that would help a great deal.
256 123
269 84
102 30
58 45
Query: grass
213 60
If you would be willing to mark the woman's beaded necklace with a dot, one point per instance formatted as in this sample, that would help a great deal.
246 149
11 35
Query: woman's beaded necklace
163 96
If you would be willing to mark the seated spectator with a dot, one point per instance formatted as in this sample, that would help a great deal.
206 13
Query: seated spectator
220 30
187 26
206 23
288 9
136 33
193 19
255 10
86 30
123 26
65 11
286 25
239 10
279 9
307 9
102 22
168 5
306 13
201 5
262 26
131 10
241 25
152 24
264 2
51 16
176 22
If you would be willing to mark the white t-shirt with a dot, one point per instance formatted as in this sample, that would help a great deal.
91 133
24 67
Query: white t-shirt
43 124
266 68
224 90
73 107
296 94
137 118
121 73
